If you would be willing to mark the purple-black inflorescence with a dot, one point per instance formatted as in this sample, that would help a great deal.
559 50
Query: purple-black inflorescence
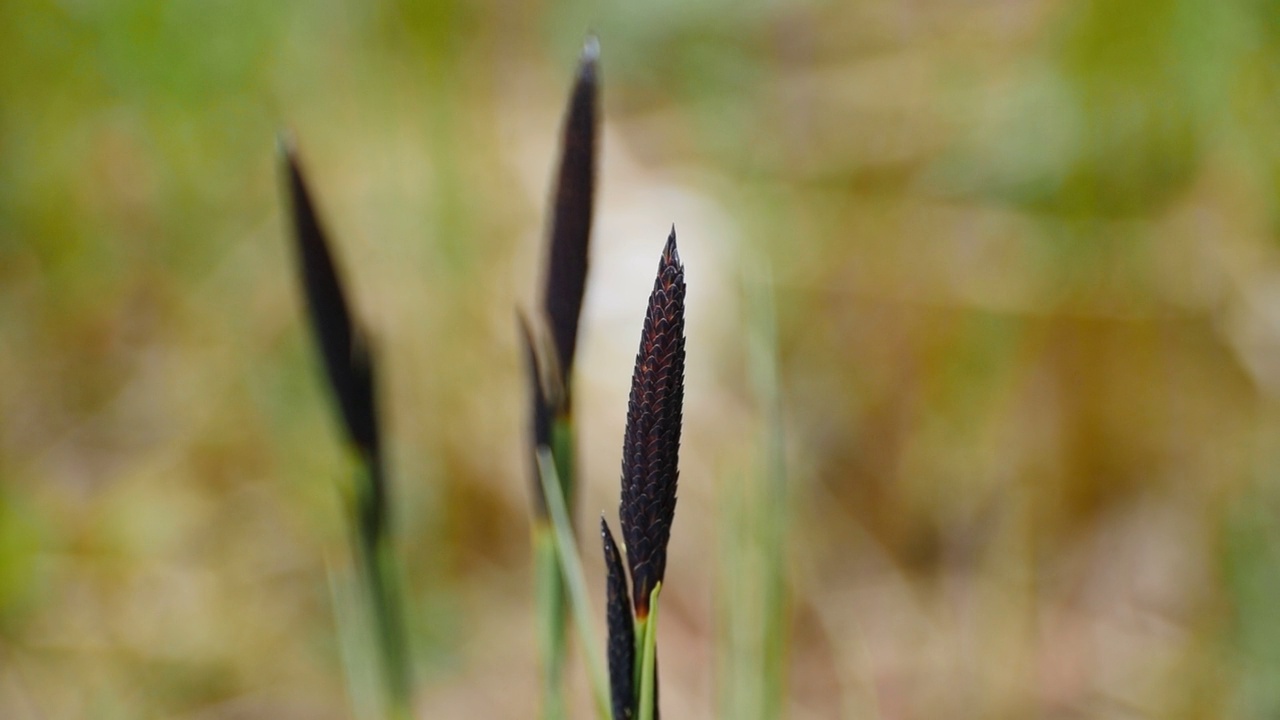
573 205
651 444
568 242
343 344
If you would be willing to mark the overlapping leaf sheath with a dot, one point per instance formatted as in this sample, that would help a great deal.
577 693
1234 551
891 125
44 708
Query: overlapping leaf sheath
621 626
541 398
651 445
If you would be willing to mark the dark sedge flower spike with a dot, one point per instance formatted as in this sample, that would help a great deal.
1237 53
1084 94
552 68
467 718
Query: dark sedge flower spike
651 444
349 365
565 278
343 344
573 204
621 626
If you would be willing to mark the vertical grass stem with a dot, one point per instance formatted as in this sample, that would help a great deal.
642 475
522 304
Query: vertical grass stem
575 582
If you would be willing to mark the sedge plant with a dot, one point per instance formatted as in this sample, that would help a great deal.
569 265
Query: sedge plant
551 364
650 471
349 365
650 452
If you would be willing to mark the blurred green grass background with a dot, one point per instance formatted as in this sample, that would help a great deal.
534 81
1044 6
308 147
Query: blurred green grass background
1028 288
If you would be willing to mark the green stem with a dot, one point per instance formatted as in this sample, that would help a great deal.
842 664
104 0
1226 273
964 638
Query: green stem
551 599
649 659
353 634
575 581
549 594
377 563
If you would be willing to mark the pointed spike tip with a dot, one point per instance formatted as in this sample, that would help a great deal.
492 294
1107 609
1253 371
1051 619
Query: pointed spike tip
286 144
588 63
670 253
590 54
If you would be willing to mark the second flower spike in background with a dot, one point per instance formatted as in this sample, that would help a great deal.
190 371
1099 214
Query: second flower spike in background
550 361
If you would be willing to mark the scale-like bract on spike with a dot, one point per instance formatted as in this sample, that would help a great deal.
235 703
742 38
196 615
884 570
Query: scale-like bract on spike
651 444
566 277
342 343
622 639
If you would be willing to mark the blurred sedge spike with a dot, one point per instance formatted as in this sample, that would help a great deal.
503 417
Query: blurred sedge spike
573 204
343 344
349 365
551 365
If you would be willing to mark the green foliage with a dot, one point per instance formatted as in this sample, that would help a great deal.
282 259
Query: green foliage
647 659
575 582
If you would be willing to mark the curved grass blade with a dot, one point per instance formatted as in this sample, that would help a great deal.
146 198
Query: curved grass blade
651 444
622 638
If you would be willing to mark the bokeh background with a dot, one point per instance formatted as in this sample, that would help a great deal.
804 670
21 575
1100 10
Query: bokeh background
1021 254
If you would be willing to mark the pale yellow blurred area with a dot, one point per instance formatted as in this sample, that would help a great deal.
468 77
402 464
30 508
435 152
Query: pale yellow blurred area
1025 268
